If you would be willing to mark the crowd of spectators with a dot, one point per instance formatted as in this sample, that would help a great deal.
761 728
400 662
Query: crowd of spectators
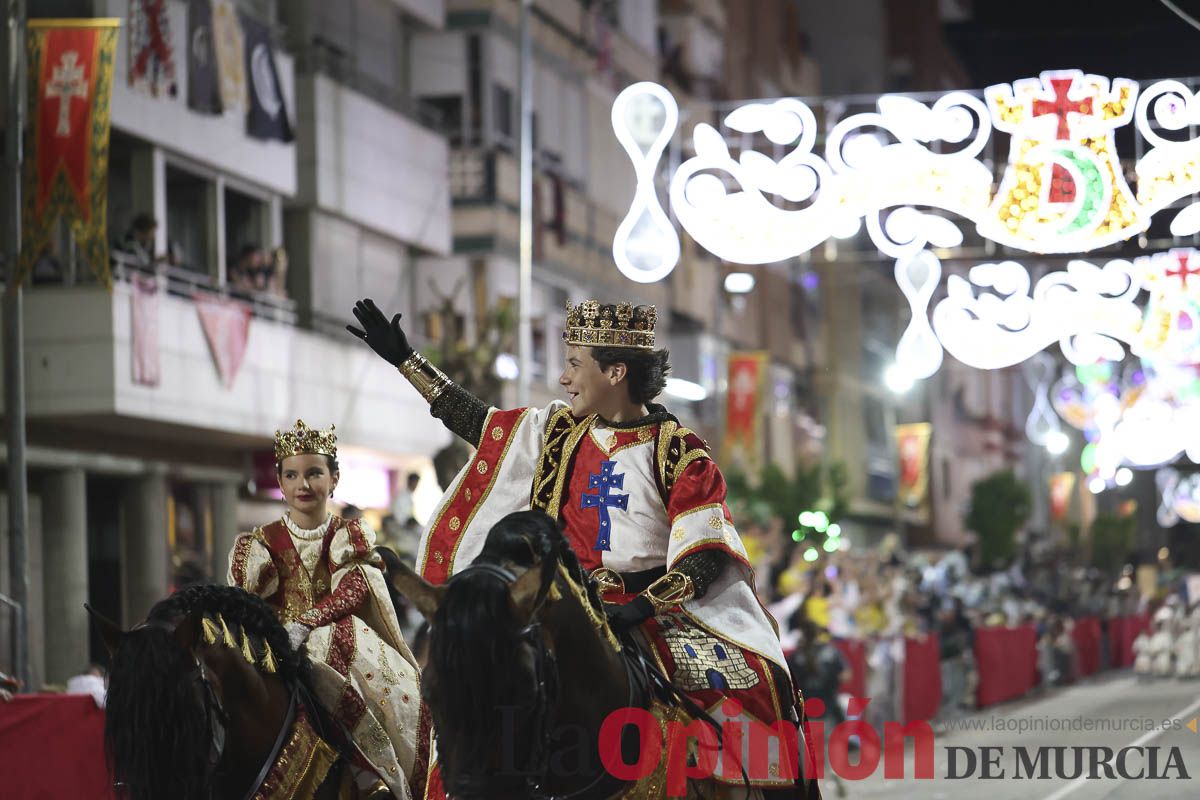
880 596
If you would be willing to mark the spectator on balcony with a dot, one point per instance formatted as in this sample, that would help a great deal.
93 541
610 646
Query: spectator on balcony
250 273
257 272
277 283
139 241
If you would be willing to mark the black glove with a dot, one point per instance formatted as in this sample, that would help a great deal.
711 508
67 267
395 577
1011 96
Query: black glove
624 617
386 339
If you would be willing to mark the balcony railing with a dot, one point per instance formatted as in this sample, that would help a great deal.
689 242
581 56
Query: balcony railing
188 284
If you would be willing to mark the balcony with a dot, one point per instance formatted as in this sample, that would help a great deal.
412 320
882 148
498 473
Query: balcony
79 368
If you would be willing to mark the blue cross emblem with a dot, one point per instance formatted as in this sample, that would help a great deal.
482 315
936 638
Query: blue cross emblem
601 484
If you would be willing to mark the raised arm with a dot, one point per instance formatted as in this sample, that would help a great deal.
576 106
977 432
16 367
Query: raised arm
460 411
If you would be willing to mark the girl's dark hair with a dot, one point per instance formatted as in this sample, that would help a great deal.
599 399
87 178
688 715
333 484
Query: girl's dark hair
646 370
331 461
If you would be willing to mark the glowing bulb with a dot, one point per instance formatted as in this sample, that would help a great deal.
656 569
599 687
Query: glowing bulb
830 545
1057 442
806 519
1124 476
1097 485
897 379
811 554
834 531
820 521
739 282
506 367
685 390
1163 553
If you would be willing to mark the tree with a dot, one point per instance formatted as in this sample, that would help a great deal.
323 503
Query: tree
999 507
776 496
470 364
1112 539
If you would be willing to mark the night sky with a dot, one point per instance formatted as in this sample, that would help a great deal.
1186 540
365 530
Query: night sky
1140 39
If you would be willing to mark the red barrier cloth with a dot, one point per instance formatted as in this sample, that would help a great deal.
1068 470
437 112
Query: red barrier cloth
1006 659
52 747
1121 633
1086 635
922 678
855 653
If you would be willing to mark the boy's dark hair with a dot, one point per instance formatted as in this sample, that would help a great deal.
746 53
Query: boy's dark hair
646 370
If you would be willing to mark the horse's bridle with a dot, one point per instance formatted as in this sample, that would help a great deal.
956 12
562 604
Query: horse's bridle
217 721
545 670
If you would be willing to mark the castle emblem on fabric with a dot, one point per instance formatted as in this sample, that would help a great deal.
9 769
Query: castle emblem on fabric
703 661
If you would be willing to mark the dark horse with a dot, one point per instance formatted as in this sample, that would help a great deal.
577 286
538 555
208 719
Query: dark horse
505 634
198 710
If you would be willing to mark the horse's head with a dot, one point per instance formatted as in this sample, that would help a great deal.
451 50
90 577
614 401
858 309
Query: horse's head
205 660
499 631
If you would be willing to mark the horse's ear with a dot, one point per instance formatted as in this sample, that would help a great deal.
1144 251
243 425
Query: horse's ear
423 594
524 591
110 632
187 631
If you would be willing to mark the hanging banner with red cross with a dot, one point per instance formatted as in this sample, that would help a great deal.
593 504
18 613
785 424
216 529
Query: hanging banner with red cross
70 74
743 445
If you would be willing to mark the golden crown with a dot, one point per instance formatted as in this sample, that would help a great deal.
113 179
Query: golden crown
303 439
591 324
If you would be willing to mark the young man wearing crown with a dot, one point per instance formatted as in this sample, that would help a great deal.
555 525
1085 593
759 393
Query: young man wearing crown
638 496
322 577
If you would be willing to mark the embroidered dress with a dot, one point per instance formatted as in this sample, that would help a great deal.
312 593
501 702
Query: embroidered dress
364 673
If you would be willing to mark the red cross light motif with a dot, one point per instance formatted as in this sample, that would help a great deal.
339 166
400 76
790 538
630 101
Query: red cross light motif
1184 270
1060 106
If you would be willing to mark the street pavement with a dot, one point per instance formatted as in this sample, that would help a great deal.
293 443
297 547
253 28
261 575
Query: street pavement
1120 712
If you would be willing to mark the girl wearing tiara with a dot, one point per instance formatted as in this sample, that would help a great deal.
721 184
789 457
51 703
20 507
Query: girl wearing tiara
321 575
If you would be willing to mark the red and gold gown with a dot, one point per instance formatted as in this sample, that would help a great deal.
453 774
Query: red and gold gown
365 675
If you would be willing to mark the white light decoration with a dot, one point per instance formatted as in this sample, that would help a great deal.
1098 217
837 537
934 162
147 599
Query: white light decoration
1057 442
739 283
897 379
1180 493
1062 190
1124 476
507 368
1042 424
1088 310
919 353
685 390
646 246
1097 485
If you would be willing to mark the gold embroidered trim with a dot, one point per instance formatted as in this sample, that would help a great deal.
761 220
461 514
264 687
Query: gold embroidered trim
613 449
569 447
558 427
685 461
512 436
437 556
666 435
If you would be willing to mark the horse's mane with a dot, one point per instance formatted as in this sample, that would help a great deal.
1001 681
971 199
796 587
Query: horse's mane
156 733
473 646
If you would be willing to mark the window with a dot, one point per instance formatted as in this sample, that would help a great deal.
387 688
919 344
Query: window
246 223
502 104
189 220
445 114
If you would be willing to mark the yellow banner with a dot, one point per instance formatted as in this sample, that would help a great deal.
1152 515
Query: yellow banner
743 442
70 74
912 446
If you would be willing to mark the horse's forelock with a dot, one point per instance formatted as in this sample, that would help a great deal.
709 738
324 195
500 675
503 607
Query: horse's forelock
154 729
